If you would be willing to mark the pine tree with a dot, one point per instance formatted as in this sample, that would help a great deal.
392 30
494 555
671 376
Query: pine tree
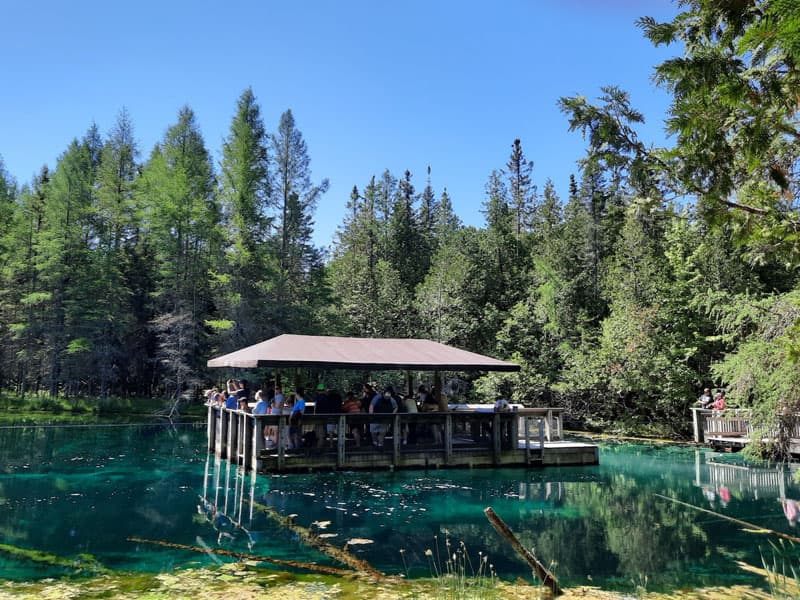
245 289
446 222
296 198
521 189
24 299
64 263
406 249
177 194
116 221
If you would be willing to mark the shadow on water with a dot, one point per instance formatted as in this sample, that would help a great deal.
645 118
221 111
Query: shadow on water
69 491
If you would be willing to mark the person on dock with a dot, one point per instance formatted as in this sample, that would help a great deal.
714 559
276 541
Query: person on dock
275 408
719 400
706 400
244 390
352 405
367 394
231 402
427 403
321 407
382 404
296 418
262 406
409 405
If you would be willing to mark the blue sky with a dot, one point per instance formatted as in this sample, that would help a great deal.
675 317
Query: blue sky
372 85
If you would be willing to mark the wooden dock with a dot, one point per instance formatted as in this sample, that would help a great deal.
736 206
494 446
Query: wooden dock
470 436
730 428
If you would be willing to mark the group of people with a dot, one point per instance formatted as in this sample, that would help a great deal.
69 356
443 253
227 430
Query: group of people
716 402
271 401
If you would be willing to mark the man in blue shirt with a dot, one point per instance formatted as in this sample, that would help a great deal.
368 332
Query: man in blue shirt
296 416
261 404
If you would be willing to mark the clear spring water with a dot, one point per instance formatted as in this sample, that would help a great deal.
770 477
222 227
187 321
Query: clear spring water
73 490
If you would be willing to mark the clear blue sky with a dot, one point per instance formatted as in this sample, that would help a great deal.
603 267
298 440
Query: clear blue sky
372 84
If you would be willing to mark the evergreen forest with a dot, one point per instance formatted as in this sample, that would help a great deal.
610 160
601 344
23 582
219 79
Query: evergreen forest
662 272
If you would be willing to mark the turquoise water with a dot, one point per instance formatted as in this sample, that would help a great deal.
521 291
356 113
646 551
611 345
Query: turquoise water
74 490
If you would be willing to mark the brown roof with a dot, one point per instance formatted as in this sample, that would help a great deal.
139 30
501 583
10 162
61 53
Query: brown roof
327 352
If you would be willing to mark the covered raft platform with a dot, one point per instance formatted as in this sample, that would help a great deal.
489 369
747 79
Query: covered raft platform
454 436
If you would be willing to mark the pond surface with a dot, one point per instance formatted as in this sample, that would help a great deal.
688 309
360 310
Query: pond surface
69 491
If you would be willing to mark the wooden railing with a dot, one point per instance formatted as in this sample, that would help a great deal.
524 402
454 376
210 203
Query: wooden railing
454 437
732 425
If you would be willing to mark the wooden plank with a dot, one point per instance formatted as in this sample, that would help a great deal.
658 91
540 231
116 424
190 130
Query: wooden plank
396 440
527 440
341 432
257 444
496 435
448 438
210 429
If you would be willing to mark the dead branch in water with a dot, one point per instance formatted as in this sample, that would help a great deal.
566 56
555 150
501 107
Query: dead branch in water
505 532
306 535
242 556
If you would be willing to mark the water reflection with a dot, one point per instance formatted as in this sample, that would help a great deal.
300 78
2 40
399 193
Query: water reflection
69 491
601 524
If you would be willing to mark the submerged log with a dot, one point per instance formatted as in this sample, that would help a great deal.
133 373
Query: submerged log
309 537
80 563
547 578
748 526
243 556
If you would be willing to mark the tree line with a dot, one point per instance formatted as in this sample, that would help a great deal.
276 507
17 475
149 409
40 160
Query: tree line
663 271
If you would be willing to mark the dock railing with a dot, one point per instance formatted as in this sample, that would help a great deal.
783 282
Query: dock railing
462 436
711 424
733 427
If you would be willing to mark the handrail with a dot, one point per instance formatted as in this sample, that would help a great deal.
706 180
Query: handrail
709 423
239 435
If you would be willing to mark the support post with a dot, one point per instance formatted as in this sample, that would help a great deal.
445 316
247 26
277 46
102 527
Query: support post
549 425
514 441
222 434
396 434
258 445
441 399
248 426
696 425
211 428
340 441
496 435
281 441
527 440
541 440
448 438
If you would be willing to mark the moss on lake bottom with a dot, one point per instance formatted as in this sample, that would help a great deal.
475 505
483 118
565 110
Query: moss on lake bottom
244 581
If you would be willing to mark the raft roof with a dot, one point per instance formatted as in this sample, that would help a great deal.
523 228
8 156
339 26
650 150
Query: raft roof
374 354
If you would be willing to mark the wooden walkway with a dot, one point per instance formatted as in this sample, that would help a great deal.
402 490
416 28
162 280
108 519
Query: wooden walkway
730 428
471 436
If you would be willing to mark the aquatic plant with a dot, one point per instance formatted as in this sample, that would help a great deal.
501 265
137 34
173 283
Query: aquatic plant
456 577
783 570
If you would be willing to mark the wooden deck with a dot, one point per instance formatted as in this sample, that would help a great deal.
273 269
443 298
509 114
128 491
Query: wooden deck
472 436
730 428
